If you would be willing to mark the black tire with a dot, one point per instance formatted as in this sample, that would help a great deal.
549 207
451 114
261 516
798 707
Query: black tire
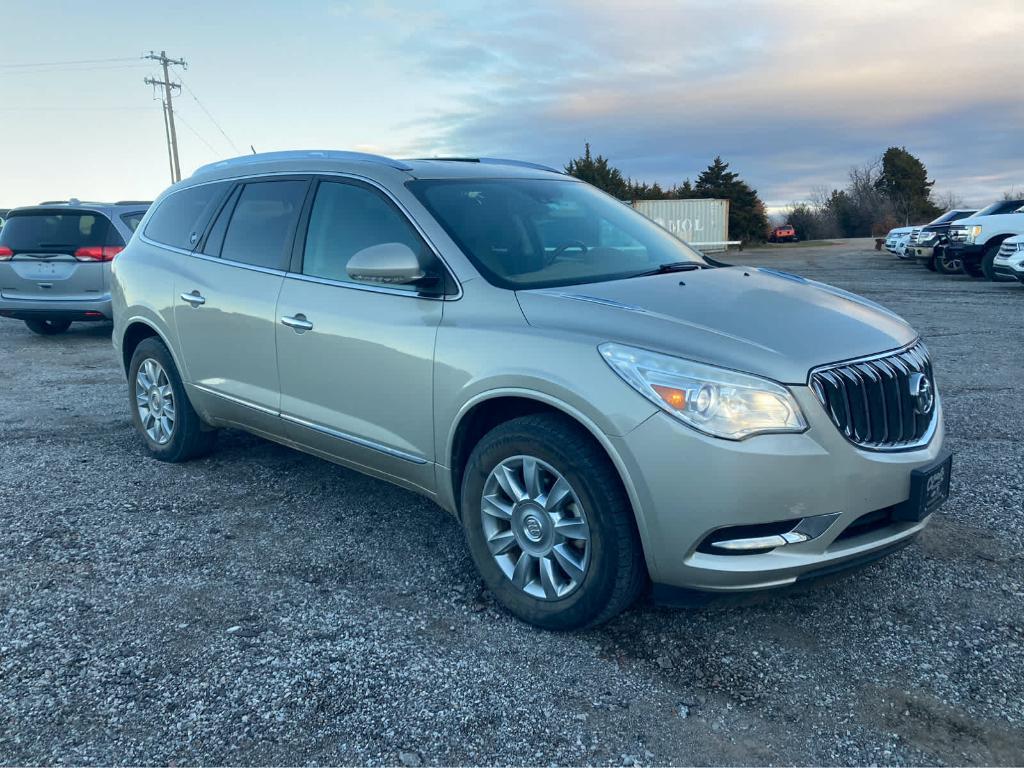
616 574
988 266
48 327
973 269
930 264
190 438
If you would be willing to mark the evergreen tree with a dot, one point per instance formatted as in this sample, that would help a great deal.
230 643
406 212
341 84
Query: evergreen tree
904 181
597 171
748 219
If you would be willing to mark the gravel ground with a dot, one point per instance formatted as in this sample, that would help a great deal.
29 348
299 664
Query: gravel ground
262 606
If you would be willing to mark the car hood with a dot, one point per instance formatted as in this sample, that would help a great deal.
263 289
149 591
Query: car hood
756 320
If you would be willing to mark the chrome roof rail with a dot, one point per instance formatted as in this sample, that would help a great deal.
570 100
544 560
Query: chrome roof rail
495 161
302 154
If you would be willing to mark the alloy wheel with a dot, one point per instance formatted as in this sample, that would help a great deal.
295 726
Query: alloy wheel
154 398
535 527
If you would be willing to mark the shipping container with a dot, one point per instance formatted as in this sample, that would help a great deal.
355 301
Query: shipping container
702 223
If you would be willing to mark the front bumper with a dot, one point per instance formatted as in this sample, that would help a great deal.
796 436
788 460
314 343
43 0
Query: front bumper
966 251
95 309
922 252
1010 266
688 486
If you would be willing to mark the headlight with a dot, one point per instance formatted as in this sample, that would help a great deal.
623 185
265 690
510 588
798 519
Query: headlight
925 237
712 400
973 232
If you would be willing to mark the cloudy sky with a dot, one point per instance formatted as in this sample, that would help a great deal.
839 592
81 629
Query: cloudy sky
790 93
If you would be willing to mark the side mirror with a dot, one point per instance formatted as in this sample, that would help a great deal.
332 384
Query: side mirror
387 264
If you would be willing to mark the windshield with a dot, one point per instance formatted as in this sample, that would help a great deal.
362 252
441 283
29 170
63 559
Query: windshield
950 216
541 233
1003 206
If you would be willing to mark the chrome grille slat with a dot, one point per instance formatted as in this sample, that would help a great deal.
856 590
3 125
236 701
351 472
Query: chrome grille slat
869 399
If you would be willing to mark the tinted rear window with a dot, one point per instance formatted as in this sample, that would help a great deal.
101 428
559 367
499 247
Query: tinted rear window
57 232
181 217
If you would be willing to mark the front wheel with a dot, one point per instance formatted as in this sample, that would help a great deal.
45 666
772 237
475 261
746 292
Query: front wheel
947 264
930 264
48 327
973 268
549 524
988 265
161 411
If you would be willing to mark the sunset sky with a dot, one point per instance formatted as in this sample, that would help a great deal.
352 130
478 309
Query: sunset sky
790 93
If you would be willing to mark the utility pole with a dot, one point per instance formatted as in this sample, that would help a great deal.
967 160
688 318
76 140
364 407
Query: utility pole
168 86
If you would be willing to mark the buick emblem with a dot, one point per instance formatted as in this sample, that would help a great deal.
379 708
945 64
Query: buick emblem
923 393
534 530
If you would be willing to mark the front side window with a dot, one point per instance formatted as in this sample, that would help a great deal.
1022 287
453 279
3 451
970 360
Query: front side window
346 219
180 217
262 227
538 233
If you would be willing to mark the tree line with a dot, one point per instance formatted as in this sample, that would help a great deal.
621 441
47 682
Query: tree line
892 191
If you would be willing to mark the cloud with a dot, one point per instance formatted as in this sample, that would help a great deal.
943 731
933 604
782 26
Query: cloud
791 93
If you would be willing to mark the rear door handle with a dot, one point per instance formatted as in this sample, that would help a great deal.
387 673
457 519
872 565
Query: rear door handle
297 322
194 298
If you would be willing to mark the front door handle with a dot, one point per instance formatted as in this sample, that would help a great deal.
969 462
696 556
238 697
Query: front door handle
194 298
298 323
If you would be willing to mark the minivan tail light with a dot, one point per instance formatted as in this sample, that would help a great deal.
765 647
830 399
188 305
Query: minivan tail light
98 252
5 253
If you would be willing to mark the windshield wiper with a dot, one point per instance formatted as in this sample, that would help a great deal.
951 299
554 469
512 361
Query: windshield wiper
675 266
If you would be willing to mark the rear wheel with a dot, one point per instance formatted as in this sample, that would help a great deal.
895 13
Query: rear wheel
48 327
549 525
161 411
988 266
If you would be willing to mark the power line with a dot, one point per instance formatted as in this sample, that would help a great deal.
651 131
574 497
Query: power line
168 86
18 65
212 119
48 70
197 134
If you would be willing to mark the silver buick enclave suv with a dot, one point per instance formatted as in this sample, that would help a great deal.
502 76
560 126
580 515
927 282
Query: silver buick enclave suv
599 405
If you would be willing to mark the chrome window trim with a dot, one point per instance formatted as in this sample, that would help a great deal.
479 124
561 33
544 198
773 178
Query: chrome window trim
309 278
929 433
360 441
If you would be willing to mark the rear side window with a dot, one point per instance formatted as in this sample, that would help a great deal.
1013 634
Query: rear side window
262 227
347 218
47 231
181 217
132 220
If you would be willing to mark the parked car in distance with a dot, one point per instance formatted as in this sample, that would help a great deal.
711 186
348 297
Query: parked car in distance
976 240
897 239
1009 262
596 403
924 240
55 261
782 234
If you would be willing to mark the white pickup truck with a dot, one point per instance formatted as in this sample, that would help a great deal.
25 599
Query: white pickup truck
976 240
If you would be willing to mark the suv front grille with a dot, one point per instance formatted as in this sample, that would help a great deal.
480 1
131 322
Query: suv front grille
871 401
915 236
1006 250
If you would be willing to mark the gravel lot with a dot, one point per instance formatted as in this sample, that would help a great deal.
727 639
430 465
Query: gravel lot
262 606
